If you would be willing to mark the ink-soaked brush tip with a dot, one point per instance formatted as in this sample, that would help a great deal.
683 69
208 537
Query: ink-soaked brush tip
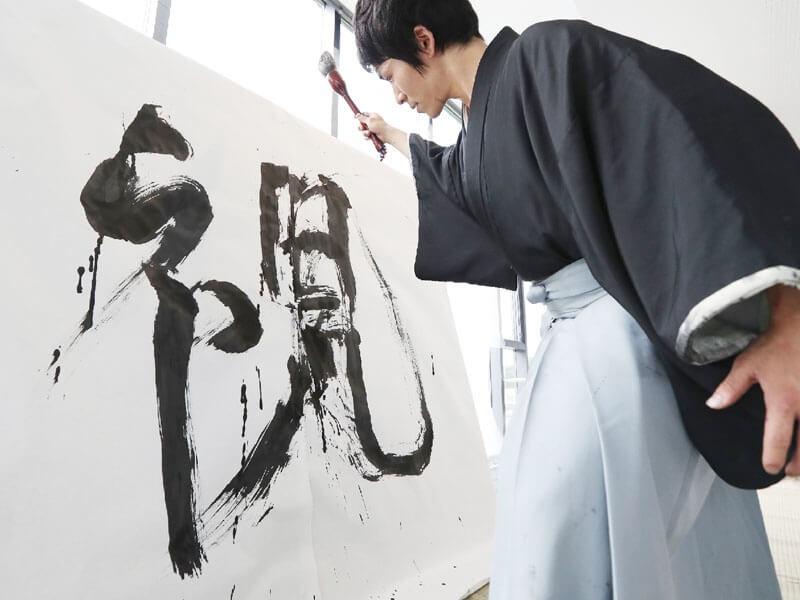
326 64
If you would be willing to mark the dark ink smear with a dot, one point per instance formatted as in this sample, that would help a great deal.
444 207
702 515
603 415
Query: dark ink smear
273 178
119 205
149 132
319 351
91 263
264 516
204 339
433 366
56 356
245 331
317 404
267 458
88 320
81 271
319 303
58 372
320 241
243 400
260 394
233 590
338 205
235 527
173 332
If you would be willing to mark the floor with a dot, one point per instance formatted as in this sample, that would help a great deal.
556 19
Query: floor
481 594
781 507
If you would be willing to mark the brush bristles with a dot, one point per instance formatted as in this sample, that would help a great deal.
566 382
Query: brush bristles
326 63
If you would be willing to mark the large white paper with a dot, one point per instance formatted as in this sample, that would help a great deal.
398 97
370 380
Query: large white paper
251 396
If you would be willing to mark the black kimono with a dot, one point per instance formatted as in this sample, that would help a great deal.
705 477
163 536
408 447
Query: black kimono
681 191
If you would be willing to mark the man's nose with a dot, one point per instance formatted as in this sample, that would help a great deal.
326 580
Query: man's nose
401 97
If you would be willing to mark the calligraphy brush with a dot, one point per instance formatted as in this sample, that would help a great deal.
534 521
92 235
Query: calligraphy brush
327 66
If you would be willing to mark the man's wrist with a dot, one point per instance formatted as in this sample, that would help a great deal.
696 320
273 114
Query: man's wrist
784 302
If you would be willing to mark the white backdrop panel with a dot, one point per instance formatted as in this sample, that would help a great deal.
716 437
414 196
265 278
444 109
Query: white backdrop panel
275 483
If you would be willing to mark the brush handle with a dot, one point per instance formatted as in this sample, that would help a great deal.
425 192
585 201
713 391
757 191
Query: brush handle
339 86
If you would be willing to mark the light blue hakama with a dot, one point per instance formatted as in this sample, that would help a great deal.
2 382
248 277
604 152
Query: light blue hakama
600 493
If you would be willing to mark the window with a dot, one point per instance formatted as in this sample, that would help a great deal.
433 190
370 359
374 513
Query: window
270 47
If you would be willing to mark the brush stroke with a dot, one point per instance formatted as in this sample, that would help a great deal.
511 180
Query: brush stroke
268 457
324 336
119 205
415 462
173 333
245 331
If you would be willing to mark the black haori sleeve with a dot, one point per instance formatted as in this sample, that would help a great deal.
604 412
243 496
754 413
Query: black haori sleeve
679 184
451 245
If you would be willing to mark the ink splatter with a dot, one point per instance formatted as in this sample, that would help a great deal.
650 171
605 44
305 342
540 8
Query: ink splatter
81 271
58 373
56 356
88 320
243 400
91 263
260 394
433 366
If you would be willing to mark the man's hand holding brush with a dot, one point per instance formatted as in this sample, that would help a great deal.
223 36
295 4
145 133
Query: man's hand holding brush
385 132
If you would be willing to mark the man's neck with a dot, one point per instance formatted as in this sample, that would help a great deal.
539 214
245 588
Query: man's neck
462 65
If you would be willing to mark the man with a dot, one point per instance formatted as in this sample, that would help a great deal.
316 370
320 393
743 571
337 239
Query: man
673 185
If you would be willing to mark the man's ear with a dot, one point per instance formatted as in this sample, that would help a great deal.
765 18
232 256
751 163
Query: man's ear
426 44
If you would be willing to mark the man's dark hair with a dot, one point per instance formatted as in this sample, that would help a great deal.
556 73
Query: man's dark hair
384 29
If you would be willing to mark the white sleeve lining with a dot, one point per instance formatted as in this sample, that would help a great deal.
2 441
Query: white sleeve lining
725 322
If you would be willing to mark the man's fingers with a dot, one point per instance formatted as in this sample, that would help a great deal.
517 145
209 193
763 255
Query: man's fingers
738 381
778 431
793 468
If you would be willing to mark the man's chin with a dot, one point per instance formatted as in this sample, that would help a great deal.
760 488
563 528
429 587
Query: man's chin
435 112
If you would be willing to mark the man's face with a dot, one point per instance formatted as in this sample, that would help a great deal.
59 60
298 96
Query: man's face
423 92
